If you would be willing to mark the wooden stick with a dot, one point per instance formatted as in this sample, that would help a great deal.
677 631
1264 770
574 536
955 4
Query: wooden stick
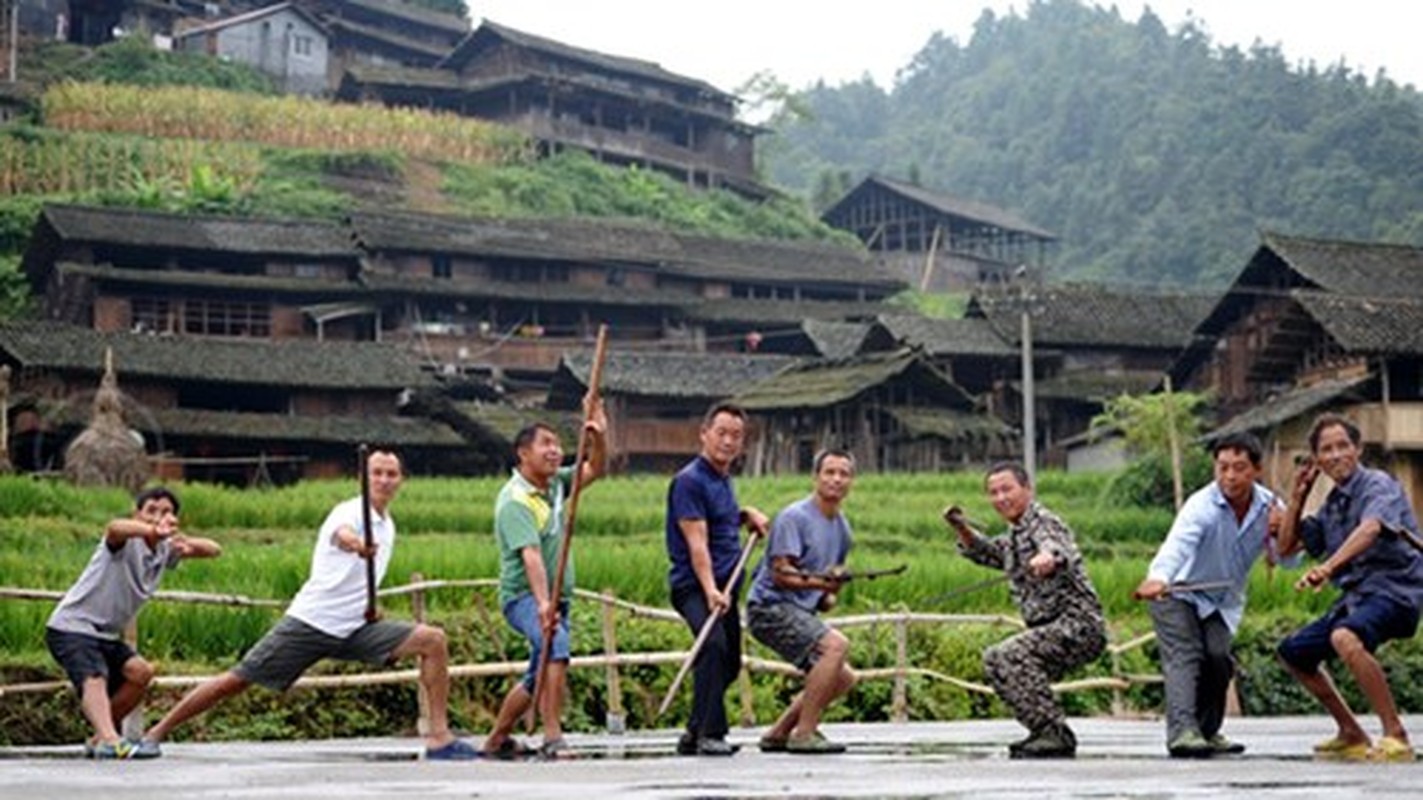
705 632
600 352
363 456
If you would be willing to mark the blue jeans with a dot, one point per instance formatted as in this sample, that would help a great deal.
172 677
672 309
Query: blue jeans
523 614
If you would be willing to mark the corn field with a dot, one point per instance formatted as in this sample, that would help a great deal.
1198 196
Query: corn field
177 112
80 163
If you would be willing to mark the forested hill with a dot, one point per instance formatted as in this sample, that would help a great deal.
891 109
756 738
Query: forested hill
1156 155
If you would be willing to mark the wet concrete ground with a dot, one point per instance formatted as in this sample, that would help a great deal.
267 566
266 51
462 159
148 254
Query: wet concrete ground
1116 759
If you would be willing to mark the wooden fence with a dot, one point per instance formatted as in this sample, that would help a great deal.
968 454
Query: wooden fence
612 660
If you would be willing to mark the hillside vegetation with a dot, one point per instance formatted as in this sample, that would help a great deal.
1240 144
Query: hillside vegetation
164 131
1154 154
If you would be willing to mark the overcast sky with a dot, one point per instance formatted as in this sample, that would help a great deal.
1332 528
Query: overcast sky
726 42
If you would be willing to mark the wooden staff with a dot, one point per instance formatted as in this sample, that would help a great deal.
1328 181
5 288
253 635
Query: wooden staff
705 632
363 456
600 352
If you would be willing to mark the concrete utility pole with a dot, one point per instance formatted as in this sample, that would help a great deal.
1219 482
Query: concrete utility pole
12 35
1030 432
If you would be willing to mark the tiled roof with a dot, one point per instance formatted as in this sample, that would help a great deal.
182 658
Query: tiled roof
1288 406
835 339
413 13
646 70
142 228
947 337
823 383
1373 325
703 376
391 430
298 362
951 206
1350 268
624 242
1094 315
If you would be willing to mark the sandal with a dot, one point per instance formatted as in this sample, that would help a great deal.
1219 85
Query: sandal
1341 749
510 749
1389 748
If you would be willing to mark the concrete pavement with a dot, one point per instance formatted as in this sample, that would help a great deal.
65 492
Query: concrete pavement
1117 758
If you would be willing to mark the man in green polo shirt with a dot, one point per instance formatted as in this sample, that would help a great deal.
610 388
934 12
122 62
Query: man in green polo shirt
528 525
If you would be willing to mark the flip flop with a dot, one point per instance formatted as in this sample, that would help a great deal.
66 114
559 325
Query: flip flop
511 749
457 750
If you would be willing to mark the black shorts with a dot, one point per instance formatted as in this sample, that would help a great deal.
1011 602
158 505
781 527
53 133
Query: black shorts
84 657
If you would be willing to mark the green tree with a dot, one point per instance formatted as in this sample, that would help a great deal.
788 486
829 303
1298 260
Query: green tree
1147 424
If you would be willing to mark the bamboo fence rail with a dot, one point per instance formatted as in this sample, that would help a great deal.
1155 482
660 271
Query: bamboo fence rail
611 660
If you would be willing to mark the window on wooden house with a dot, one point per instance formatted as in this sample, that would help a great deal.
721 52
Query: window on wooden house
442 267
220 318
302 45
150 314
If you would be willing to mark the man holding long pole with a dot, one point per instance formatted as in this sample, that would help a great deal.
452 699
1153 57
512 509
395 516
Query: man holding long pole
327 619
529 527
704 547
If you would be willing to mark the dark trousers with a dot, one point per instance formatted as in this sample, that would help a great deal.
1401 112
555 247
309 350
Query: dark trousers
1197 666
717 664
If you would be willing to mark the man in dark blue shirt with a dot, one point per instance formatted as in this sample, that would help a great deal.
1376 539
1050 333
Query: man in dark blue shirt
703 543
1380 577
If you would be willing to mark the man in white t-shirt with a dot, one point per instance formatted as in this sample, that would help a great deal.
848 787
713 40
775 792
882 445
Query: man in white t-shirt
326 619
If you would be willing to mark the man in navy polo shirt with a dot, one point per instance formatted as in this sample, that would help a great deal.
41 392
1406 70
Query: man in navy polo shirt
1380 578
703 543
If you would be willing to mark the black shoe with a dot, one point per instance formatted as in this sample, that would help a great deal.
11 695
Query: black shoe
707 746
1052 741
687 744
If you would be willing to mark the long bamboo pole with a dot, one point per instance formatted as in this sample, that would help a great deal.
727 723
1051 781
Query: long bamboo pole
600 352
363 456
712 619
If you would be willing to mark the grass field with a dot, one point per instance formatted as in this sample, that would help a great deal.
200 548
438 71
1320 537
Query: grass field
48 530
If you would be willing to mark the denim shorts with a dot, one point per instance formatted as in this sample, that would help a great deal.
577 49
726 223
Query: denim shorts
1375 619
523 614
84 657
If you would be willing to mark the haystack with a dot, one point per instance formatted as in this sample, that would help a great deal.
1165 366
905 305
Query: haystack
107 453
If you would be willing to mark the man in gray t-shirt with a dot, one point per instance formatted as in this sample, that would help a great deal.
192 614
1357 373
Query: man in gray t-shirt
796 578
85 632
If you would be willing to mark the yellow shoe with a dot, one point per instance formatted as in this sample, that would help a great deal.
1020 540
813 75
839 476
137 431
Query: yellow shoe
1342 750
1390 748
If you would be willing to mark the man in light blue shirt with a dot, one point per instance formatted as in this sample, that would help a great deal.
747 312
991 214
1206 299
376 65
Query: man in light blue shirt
1216 538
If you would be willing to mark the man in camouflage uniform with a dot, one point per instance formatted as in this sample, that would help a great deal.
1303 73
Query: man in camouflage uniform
1066 627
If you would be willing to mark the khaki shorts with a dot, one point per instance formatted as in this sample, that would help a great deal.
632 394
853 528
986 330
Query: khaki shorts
290 648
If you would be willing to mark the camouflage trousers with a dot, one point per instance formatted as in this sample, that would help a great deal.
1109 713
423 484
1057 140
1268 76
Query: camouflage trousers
1022 668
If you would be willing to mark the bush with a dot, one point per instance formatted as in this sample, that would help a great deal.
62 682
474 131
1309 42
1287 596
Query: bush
1147 482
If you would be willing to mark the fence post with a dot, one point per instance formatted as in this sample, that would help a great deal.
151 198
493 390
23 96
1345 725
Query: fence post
1119 700
617 720
899 703
132 726
743 680
417 610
